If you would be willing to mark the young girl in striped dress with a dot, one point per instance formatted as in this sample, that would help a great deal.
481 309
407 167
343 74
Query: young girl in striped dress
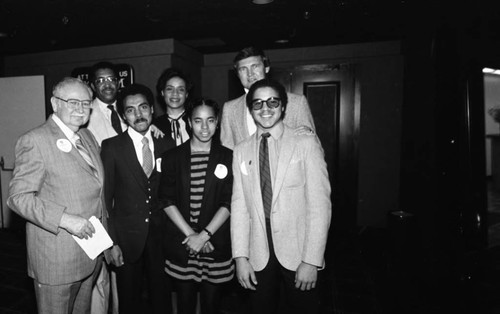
195 190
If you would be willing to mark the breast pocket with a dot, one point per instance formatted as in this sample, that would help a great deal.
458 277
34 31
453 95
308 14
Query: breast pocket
295 175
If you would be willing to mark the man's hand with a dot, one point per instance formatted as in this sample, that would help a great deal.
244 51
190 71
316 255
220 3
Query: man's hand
303 130
306 277
156 132
77 226
116 256
245 273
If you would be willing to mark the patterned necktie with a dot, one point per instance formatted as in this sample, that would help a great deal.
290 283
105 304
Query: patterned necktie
85 154
115 120
265 175
147 157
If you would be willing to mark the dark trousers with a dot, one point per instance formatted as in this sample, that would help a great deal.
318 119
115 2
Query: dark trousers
275 280
130 277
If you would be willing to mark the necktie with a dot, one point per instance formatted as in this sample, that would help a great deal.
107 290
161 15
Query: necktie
175 127
265 175
147 157
85 154
115 120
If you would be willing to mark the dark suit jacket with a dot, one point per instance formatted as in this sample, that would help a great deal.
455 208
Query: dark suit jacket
131 197
174 190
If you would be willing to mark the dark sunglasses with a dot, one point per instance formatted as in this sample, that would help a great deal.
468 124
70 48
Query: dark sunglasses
273 102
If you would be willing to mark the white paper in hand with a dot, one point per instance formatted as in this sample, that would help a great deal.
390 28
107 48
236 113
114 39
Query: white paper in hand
99 242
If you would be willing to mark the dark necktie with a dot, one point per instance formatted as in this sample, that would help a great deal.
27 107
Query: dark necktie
265 175
147 157
175 127
85 154
115 120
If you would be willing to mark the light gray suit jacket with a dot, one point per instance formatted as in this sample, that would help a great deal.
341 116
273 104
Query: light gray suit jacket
301 207
47 182
234 128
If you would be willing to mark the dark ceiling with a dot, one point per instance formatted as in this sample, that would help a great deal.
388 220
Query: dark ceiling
210 26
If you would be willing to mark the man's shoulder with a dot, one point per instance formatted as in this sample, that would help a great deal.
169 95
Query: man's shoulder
233 103
114 140
295 98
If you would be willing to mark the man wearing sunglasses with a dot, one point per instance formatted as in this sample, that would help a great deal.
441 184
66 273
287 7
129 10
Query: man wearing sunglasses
280 208
251 65
57 186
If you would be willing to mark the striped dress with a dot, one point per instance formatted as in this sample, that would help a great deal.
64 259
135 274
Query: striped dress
200 267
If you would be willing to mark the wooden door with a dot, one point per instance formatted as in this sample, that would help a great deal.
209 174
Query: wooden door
330 90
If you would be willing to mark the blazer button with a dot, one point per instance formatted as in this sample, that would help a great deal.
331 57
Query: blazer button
147 201
146 220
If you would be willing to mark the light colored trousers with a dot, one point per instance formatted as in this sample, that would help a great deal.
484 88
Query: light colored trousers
106 284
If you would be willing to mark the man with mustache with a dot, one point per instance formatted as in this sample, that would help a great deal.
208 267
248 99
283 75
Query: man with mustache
131 165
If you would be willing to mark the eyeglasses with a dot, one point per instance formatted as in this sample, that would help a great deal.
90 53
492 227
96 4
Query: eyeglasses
75 103
273 102
110 79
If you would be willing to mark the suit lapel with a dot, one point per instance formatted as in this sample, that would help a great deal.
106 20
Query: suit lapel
287 148
130 158
75 155
94 155
252 164
242 117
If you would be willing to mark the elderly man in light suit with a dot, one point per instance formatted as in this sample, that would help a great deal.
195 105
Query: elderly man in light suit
57 186
279 222
251 65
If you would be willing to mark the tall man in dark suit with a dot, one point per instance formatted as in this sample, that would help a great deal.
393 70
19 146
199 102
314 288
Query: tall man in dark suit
131 162
57 186
251 65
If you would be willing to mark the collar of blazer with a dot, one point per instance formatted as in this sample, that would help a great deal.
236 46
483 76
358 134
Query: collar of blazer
87 142
129 155
185 164
251 163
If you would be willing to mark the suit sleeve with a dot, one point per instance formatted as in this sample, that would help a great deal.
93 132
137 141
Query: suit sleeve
108 161
319 207
28 178
166 189
226 136
240 217
303 115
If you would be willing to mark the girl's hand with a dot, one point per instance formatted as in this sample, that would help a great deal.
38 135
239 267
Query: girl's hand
195 242
208 247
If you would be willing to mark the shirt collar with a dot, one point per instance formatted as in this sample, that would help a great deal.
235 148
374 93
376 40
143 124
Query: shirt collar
276 131
103 105
137 137
65 129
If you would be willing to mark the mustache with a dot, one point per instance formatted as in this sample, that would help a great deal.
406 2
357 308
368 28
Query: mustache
140 120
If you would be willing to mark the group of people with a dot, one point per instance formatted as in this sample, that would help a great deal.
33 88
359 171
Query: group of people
191 199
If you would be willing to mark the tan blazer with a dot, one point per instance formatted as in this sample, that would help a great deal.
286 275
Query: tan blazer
301 207
234 128
49 180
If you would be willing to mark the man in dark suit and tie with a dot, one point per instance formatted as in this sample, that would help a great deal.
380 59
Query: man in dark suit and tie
131 162
57 186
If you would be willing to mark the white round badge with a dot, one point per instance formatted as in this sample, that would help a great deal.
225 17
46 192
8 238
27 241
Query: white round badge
220 171
64 145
